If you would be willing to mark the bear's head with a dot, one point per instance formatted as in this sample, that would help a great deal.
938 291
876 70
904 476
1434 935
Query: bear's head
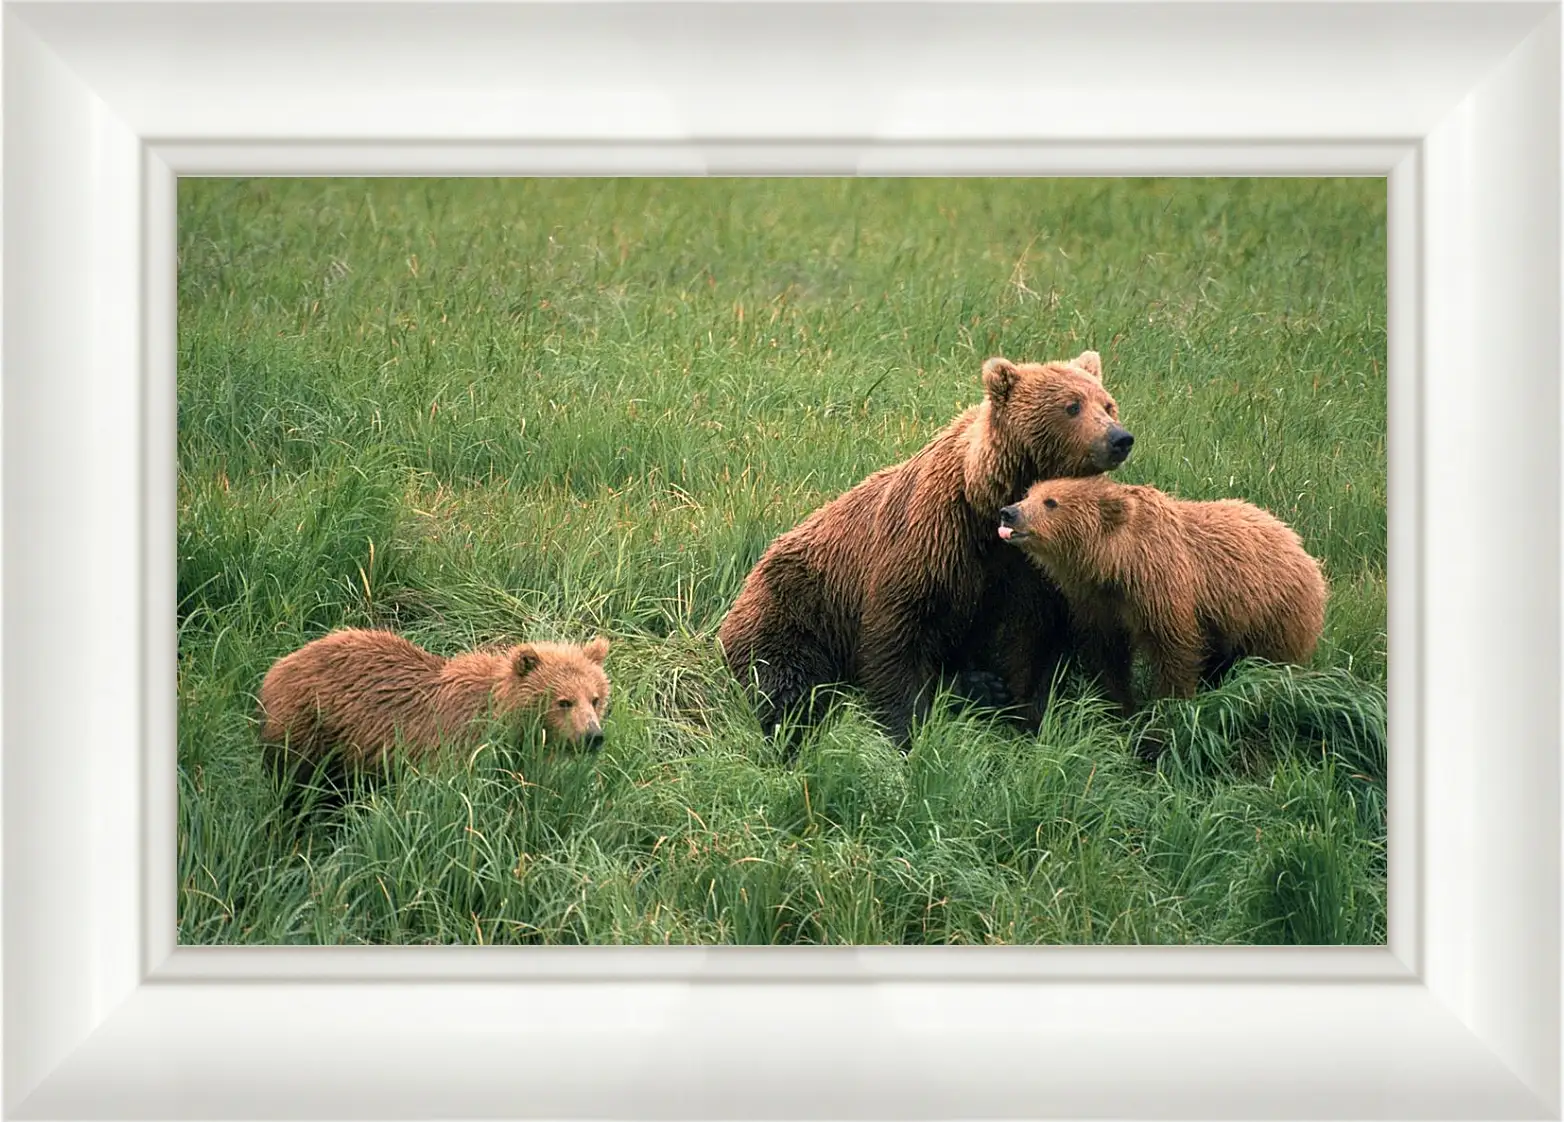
1067 518
563 684
1054 419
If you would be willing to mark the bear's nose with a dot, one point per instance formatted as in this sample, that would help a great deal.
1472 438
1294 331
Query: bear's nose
1120 442
1007 516
594 739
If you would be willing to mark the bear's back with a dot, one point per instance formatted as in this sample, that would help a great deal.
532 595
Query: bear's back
1260 584
1232 534
354 686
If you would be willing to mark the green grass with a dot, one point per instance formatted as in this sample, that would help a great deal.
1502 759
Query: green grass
551 408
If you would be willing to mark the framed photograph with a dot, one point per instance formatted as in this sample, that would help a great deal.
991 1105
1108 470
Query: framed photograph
1356 205
573 433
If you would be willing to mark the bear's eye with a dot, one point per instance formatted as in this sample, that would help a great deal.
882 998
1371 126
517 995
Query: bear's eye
565 703
1073 409
596 701
1050 503
1113 409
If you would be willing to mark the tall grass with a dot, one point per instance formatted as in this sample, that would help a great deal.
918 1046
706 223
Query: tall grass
480 409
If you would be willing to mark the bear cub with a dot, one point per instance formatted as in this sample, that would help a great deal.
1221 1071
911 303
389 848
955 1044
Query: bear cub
1193 585
353 694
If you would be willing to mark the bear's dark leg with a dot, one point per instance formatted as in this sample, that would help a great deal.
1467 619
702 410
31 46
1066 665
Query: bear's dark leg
1031 666
309 781
1217 655
1019 637
1176 667
1108 653
900 679
897 707
1215 668
788 684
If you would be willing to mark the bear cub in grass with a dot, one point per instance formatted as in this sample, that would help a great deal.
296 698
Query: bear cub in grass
1194 585
353 694
901 579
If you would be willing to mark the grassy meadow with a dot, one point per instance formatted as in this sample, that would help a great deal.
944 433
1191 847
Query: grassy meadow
473 410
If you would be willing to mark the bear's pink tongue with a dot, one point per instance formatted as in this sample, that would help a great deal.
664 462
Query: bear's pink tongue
1005 532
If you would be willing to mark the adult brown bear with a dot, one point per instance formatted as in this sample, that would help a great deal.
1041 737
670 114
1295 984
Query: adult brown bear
903 579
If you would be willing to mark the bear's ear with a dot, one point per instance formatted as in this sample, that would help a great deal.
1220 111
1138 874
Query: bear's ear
1091 362
596 650
1115 511
524 660
999 378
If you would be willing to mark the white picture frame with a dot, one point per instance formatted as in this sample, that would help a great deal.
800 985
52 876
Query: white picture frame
105 104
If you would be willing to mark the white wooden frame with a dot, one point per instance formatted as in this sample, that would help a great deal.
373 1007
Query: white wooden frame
105 103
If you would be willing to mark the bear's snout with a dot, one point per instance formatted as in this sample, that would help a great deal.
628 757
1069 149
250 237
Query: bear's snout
593 739
1119 443
1007 515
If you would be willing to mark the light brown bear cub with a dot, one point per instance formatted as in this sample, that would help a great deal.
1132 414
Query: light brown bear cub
1194 585
355 693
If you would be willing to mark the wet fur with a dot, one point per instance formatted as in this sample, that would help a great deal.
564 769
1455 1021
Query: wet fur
901 580
1194 585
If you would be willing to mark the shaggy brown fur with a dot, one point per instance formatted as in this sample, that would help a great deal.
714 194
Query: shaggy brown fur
357 693
1196 586
900 579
